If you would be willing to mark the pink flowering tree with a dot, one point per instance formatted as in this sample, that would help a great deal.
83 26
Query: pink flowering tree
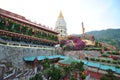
74 44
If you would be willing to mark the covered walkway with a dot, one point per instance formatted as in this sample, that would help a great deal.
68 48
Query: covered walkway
68 60
32 58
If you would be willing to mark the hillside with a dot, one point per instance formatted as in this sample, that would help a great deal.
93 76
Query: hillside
110 36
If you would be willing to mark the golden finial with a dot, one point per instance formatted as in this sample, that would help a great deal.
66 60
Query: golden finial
60 15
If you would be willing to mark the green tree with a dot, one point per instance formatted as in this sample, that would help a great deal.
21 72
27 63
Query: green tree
2 23
55 73
24 30
32 78
66 70
79 67
46 63
30 32
16 28
37 77
73 78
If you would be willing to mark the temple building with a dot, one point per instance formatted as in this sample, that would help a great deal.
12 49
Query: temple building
60 26
14 27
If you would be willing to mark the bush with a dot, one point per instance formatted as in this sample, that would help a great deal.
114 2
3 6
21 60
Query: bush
117 66
37 77
108 61
113 52
105 48
63 42
118 62
114 57
83 76
97 49
96 43
97 59
3 43
75 44
103 60
114 62
92 59
104 55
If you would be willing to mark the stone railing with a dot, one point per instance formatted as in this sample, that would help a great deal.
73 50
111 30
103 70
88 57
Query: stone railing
16 44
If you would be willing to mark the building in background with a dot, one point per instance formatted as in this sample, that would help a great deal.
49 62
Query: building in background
60 26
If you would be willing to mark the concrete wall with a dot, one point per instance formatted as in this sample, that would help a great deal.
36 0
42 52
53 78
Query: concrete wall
15 54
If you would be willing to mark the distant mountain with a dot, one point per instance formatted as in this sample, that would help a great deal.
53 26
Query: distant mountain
110 36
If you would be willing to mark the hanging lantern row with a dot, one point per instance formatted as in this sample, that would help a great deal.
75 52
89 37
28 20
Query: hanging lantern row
22 28
7 33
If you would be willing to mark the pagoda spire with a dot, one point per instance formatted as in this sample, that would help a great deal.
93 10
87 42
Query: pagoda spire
60 15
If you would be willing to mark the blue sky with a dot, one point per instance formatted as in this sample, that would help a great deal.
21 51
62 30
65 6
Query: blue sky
95 14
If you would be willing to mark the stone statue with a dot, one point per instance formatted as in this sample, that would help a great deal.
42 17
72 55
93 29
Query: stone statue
83 29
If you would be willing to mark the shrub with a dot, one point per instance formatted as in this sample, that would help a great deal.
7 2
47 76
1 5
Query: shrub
92 59
114 62
75 44
118 62
104 55
114 57
96 43
113 52
83 76
63 42
97 59
97 49
79 44
105 48
103 60
117 66
108 61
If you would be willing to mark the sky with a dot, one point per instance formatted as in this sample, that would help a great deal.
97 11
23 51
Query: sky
95 14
